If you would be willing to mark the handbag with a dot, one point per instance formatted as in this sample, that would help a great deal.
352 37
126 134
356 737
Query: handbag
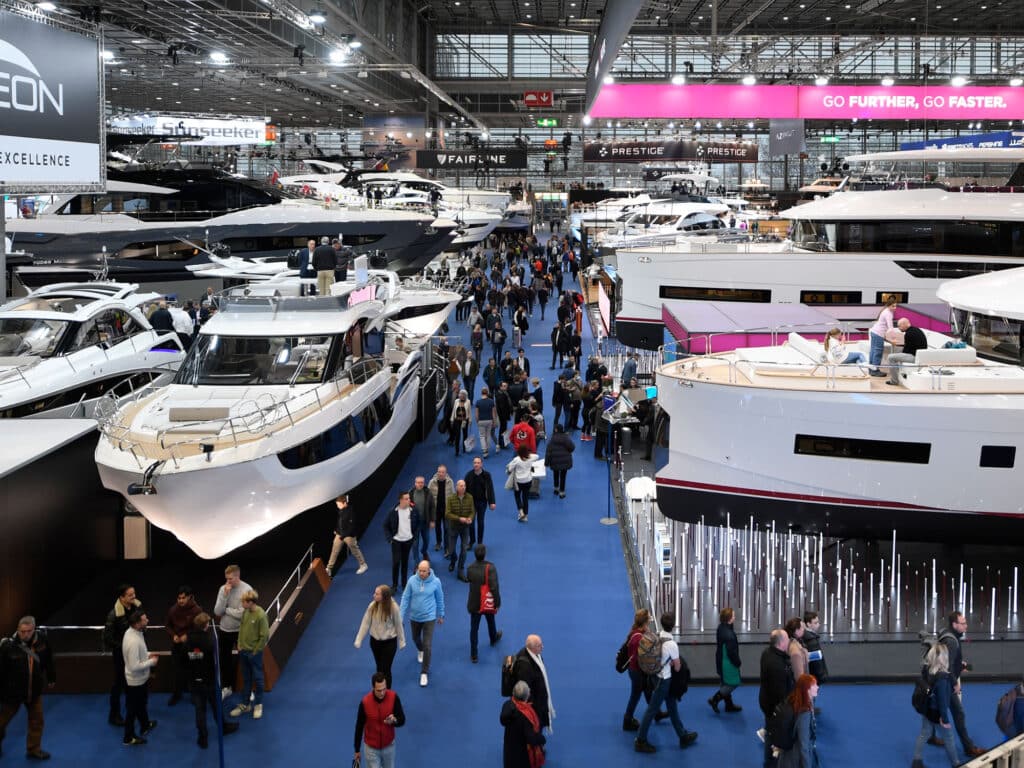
487 604
469 443
510 481
622 658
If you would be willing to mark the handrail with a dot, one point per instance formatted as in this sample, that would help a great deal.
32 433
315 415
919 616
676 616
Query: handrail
1007 754
296 574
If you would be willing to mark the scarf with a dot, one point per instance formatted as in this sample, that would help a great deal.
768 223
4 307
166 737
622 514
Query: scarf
533 751
547 686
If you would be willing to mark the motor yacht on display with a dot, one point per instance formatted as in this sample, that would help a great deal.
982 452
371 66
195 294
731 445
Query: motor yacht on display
607 213
407 191
282 404
65 346
849 248
142 229
662 222
777 435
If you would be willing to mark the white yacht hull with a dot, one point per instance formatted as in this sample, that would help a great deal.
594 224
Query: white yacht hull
215 506
732 457
650 275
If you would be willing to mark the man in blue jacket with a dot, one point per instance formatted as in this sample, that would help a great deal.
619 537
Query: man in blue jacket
423 603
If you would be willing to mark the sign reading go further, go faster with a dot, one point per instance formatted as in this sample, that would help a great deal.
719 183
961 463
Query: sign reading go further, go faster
811 102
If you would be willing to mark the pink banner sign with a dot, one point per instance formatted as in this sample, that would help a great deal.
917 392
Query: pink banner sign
809 102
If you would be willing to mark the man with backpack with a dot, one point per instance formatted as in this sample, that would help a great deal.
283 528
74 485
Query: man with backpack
950 637
776 683
658 656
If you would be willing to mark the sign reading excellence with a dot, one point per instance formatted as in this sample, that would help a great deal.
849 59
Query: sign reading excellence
49 107
809 102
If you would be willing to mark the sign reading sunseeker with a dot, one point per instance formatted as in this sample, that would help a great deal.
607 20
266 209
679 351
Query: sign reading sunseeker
430 159
49 107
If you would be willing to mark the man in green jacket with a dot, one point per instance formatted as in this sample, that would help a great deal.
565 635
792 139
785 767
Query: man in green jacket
459 512
252 639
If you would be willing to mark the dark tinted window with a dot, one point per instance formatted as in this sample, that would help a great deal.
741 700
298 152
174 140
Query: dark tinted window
759 295
870 450
830 297
999 456
883 296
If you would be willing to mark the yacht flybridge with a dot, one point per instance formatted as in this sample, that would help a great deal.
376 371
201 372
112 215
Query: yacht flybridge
283 403
143 227
782 435
65 346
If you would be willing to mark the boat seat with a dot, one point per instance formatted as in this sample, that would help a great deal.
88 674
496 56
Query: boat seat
198 413
202 428
954 356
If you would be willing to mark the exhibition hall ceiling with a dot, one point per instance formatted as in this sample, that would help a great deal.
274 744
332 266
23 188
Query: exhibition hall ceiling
329 62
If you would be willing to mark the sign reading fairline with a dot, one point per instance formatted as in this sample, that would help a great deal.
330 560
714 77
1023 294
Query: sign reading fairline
49 107
432 159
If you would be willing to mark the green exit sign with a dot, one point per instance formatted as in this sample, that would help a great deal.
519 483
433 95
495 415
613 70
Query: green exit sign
547 122
831 139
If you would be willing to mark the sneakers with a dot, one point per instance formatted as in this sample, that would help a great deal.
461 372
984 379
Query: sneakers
423 680
241 709
688 739
330 574
521 516
561 494
134 741
257 712
419 657
644 746
148 727
760 733
362 569
224 693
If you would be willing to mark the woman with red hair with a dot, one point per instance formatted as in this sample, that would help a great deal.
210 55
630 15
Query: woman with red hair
801 699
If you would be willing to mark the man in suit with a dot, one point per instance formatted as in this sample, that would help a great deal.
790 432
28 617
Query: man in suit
523 362
306 264
529 667
470 369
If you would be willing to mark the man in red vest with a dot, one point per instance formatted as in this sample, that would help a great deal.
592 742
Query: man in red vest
380 712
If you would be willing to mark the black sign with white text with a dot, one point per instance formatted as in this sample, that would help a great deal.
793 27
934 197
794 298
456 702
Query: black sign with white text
727 152
492 159
655 151
49 105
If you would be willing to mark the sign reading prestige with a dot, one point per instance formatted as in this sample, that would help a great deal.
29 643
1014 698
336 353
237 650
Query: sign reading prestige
491 159
49 106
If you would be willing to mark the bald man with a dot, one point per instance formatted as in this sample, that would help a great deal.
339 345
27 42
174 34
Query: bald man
529 668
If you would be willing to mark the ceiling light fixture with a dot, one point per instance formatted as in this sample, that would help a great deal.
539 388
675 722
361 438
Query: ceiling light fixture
1017 82
821 80
958 81
678 80
355 44
888 82
46 7
317 15
107 55
218 57
749 80
338 55
609 79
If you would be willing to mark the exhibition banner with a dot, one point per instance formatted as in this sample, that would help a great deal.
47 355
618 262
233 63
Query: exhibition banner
49 107
979 140
491 159
645 151
810 102
195 130
786 137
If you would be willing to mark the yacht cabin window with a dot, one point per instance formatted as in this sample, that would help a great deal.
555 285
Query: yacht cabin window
30 336
242 360
856 448
998 456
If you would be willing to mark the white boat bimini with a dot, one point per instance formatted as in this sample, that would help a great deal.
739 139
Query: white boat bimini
65 346
282 404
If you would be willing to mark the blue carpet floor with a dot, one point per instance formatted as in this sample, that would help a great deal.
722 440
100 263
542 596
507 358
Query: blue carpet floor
563 577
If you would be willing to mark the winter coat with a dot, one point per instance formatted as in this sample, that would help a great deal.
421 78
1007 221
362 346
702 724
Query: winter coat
559 451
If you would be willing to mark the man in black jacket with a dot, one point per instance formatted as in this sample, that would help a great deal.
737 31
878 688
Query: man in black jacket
345 535
529 667
324 262
113 633
202 678
480 486
503 404
913 340
478 573
26 668
951 637
776 682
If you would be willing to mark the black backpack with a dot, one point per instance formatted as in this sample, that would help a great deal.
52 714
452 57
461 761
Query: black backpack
622 658
782 726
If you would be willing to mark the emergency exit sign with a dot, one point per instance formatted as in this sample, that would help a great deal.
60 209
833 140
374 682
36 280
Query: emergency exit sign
547 122
830 139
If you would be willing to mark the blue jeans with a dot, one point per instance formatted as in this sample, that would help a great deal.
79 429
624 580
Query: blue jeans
379 758
252 675
461 535
855 357
877 348
956 708
661 695
946 734
636 690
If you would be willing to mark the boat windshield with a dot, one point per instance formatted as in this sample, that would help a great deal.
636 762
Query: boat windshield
243 360
30 336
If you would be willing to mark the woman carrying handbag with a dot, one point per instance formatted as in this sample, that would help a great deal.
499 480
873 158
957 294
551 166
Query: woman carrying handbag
520 471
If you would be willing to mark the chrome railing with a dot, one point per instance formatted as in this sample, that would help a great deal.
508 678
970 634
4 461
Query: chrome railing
273 608
1009 754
